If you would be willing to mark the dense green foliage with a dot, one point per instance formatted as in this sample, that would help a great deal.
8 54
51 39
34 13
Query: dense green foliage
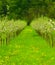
27 9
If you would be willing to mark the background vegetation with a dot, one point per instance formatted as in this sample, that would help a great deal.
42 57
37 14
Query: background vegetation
27 9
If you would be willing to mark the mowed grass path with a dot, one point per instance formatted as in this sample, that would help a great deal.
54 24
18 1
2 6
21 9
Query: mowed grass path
28 48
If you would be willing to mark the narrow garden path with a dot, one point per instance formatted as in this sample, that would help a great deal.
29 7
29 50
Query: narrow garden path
28 48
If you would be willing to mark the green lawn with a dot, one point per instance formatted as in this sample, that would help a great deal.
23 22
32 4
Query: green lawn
28 48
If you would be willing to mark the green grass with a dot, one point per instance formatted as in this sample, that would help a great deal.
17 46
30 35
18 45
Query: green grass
28 48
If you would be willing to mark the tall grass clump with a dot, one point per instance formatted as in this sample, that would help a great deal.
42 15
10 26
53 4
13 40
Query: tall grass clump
46 28
10 29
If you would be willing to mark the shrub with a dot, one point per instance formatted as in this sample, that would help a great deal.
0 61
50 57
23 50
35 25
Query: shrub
45 27
10 29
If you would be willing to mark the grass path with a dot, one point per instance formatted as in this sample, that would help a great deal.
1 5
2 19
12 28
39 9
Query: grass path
27 49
